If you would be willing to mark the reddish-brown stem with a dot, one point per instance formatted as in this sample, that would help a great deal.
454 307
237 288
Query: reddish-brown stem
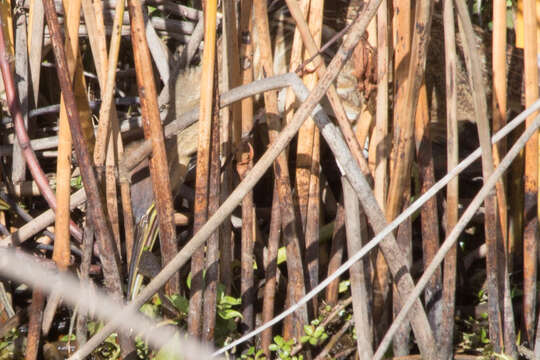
22 136
271 272
34 325
212 245
336 254
153 130
245 163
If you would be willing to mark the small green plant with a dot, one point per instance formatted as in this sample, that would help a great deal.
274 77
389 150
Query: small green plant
251 354
225 305
344 286
315 333
76 182
283 348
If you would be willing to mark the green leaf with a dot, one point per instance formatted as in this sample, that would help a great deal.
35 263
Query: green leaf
229 300
319 331
313 341
304 339
149 310
344 286
180 303
281 255
279 340
273 347
230 314
67 338
308 329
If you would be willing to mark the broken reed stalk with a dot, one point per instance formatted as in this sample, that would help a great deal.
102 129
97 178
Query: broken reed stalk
200 206
252 177
292 233
61 252
446 328
530 177
18 166
406 109
378 152
491 219
36 23
451 239
359 280
296 58
429 213
103 130
499 104
108 141
22 136
95 210
245 164
98 44
159 171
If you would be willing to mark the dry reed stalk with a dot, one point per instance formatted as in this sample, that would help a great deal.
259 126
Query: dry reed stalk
203 164
270 286
104 236
399 181
308 165
530 177
108 142
491 224
499 120
34 325
280 143
98 44
153 130
429 212
446 331
61 253
36 23
293 326
231 127
18 166
499 103
245 163
212 245
359 279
